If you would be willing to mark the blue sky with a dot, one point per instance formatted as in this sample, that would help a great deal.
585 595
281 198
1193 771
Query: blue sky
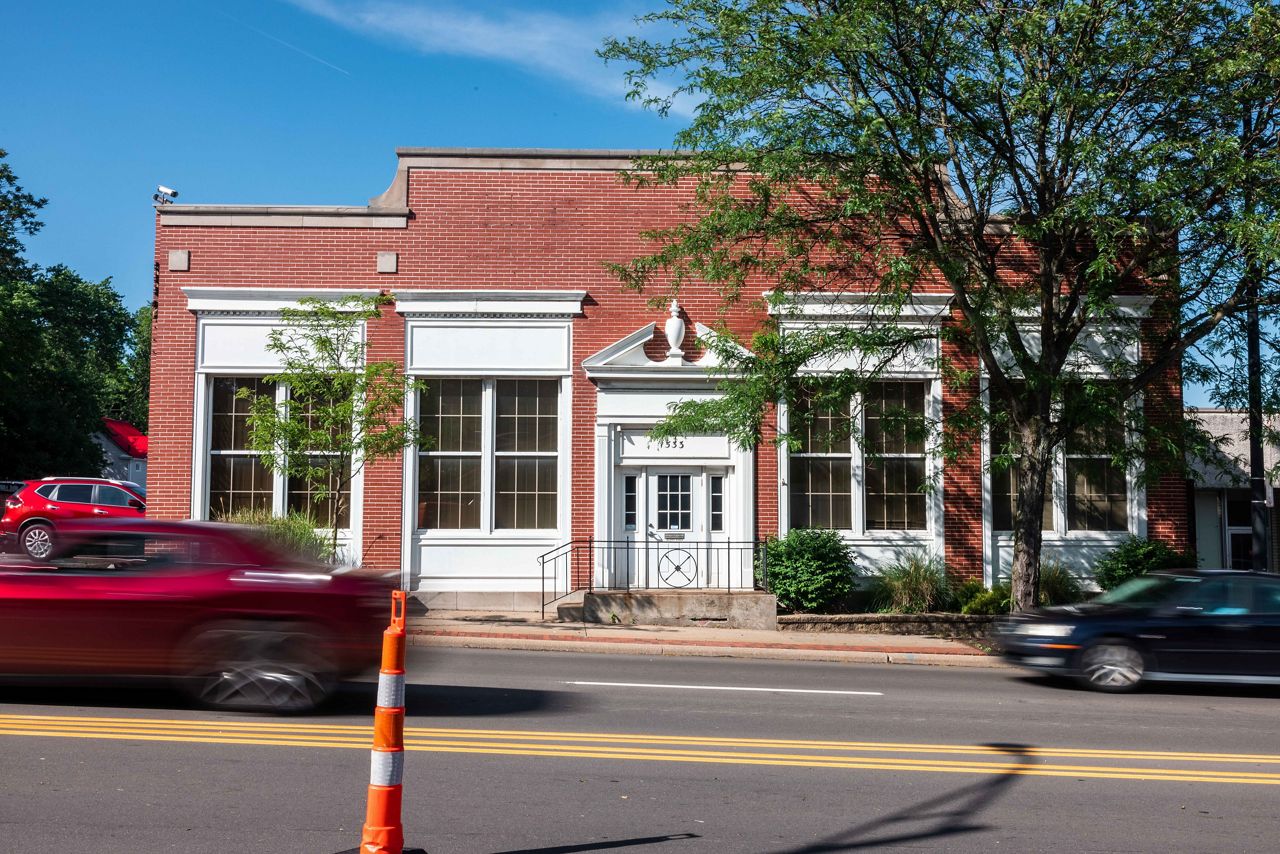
286 102
283 102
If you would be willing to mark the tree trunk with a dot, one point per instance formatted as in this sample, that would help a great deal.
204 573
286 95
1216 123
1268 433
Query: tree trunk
1033 469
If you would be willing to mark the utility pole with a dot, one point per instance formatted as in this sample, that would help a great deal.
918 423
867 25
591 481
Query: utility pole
1257 480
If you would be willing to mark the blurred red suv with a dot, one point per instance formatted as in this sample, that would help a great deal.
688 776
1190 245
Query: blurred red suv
34 512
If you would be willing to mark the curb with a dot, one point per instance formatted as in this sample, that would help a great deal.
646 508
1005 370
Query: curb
640 646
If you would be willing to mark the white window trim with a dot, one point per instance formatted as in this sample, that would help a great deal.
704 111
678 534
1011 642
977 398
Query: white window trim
1136 493
931 536
488 456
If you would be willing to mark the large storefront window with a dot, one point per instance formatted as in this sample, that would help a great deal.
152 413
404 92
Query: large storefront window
493 457
821 470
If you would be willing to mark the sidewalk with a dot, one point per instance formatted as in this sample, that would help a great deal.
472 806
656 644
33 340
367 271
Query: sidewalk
527 631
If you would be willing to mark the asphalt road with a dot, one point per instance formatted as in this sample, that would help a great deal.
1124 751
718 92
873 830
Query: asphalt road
557 753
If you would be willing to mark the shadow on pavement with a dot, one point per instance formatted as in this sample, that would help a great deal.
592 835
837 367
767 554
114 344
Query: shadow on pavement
602 846
951 814
357 699
453 701
1172 689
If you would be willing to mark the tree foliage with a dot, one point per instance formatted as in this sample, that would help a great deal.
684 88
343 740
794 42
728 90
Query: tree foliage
61 339
1037 161
130 392
343 411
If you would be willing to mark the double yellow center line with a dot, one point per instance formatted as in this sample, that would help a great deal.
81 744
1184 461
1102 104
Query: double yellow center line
1084 763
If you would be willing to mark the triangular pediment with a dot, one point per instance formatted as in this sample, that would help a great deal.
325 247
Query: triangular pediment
626 357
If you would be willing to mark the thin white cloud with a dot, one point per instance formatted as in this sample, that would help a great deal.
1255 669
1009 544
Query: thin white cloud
552 45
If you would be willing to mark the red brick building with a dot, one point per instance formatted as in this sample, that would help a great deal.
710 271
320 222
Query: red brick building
543 378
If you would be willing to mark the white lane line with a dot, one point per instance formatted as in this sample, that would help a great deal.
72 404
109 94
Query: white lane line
727 688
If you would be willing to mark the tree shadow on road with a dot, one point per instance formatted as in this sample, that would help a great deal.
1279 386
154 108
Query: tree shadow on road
954 813
606 845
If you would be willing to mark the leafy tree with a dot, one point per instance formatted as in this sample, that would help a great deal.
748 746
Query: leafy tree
342 412
131 385
1034 160
60 342
61 339
18 216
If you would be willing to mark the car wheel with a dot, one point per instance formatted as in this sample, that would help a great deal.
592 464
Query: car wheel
37 541
274 667
1113 665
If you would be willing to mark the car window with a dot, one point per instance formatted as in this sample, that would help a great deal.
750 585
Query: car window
1222 597
76 493
46 491
113 496
1266 596
1143 591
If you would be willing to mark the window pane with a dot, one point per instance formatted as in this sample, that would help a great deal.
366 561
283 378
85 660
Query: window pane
526 415
525 497
237 482
1096 495
820 493
448 492
305 496
895 500
449 411
1004 498
629 502
1239 511
893 413
229 427
821 430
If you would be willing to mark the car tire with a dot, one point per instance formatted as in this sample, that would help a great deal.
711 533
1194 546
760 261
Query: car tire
256 666
1112 665
37 541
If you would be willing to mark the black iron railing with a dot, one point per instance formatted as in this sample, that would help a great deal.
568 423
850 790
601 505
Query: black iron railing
651 564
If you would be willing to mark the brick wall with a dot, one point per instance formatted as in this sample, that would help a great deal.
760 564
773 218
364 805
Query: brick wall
500 229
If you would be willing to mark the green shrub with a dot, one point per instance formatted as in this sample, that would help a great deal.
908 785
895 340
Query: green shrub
917 584
295 534
1136 556
810 569
1058 586
966 592
994 602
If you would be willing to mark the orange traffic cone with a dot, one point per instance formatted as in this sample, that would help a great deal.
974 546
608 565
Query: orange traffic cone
383 832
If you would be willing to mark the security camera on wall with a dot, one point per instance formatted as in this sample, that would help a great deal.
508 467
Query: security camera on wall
167 191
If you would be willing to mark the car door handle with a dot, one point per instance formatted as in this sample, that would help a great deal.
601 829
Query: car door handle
98 512
51 507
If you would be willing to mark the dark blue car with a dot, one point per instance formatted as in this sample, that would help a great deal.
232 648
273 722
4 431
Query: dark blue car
1202 626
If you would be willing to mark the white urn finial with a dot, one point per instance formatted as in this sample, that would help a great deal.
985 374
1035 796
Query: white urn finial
675 332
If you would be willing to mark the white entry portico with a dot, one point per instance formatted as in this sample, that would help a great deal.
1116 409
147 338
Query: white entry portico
670 513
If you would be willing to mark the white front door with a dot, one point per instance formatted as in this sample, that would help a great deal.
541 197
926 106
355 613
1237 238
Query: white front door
671 525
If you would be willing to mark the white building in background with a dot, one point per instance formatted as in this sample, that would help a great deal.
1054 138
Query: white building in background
1222 532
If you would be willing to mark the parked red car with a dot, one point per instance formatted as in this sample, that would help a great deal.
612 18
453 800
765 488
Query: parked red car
34 513
234 622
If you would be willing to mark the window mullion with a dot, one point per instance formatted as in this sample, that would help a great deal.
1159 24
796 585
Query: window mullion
857 471
488 443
